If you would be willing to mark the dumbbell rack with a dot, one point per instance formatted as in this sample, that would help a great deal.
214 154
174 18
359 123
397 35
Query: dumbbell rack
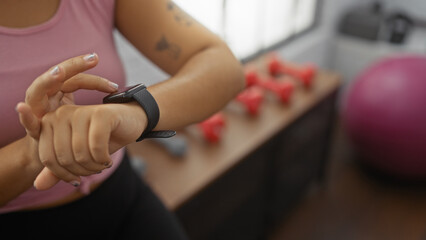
241 186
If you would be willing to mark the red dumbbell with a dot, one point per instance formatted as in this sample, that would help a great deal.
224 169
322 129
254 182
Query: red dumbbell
305 73
212 127
252 78
283 90
251 98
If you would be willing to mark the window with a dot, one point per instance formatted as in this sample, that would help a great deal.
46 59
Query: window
250 26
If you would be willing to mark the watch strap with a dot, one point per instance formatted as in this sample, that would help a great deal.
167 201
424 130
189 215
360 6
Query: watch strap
148 103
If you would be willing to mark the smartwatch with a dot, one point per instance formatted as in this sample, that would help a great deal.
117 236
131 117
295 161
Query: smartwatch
140 94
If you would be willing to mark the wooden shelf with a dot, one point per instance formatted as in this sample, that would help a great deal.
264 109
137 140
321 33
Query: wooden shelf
177 180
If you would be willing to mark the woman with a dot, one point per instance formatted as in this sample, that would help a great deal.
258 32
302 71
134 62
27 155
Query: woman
57 177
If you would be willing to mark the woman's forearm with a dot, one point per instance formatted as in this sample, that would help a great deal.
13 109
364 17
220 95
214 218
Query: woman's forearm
19 166
204 85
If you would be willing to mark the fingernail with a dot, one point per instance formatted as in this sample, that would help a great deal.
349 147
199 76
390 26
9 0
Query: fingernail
75 183
16 107
54 71
90 57
113 85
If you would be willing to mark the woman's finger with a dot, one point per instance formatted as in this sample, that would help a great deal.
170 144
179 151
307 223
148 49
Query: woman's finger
90 82
45 180
76 65
46 85
62 141
48 157
28 120
50 82
80 145
99 135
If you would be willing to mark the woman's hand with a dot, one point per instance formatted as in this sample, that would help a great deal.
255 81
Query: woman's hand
53 89
78 140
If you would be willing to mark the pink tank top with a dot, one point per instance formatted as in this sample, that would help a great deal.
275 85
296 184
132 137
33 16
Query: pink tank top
78 27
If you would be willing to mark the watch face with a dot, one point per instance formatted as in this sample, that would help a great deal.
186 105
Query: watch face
132 90
123 96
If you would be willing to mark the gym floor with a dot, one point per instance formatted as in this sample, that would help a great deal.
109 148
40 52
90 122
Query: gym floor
357 203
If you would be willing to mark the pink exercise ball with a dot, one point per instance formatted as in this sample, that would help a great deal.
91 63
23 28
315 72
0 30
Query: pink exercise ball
384 115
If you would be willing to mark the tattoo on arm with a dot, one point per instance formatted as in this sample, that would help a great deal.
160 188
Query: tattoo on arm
163 45
170 5
179 15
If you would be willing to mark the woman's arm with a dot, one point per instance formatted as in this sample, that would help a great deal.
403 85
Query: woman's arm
205 77
205 74
19 166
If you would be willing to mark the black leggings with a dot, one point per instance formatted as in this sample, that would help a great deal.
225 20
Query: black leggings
123 207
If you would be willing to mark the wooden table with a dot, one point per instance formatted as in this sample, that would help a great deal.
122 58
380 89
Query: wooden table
180 181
